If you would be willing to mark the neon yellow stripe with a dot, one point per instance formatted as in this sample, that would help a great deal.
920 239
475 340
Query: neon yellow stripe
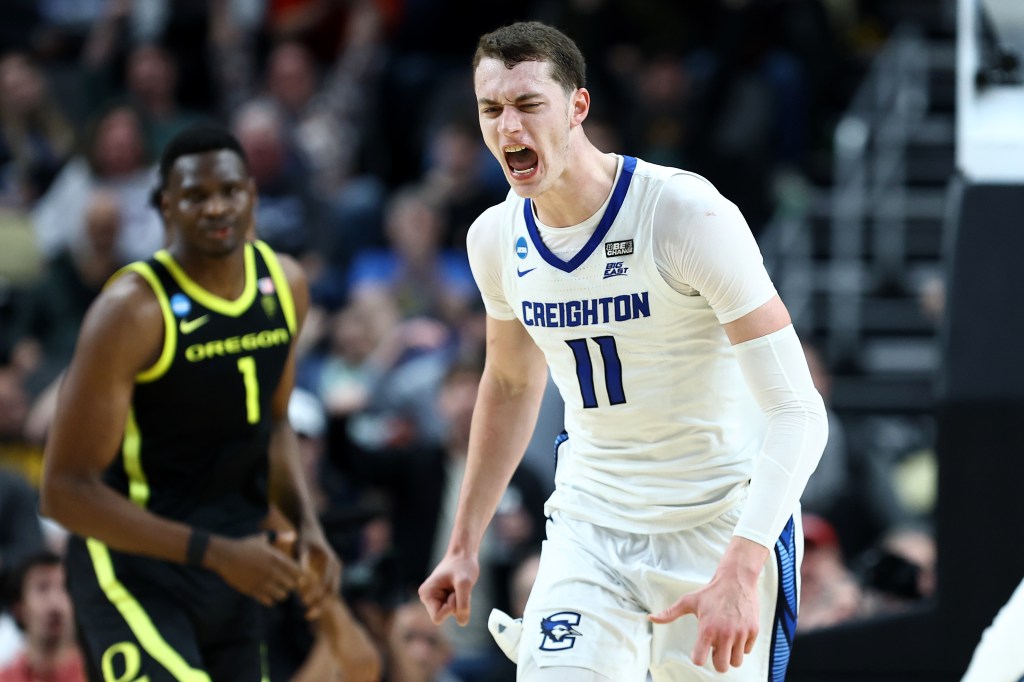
215 303
284 290
264 666
160 367
131 451
138 620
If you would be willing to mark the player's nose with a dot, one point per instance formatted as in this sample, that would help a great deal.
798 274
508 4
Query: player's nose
510 121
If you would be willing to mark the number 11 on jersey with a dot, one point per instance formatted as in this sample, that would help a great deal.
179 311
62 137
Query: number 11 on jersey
585 369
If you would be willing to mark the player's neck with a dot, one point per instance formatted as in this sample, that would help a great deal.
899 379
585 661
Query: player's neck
222 276
580 191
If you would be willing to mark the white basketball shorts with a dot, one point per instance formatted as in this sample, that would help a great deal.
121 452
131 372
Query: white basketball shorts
596 586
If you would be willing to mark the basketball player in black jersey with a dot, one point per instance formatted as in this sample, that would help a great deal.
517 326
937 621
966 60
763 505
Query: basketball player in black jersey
171 440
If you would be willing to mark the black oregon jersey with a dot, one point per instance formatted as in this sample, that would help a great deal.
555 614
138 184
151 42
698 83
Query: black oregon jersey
195 446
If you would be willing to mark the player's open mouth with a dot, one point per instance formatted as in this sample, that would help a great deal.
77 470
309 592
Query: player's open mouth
521 160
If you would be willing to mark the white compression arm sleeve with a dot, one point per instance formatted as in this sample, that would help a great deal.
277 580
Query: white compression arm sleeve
776 371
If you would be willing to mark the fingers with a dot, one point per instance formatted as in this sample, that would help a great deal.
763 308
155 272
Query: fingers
684 605
736 660
702 649
283 541
463 590
750 642
438 601
722 655
725 643
321 577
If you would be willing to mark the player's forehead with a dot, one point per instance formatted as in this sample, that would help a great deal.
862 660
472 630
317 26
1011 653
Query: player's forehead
495 82
219 165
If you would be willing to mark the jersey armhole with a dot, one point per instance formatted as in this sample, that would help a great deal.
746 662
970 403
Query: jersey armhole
163 362
284 289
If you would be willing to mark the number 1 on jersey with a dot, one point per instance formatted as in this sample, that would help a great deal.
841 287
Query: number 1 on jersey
247 366
585 369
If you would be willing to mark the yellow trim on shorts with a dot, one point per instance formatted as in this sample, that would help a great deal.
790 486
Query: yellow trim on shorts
137 619
284 290
213 302
131 453
162 363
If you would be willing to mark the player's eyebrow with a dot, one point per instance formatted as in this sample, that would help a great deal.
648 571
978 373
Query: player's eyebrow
520 98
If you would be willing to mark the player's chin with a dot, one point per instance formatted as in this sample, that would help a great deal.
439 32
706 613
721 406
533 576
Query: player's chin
524 187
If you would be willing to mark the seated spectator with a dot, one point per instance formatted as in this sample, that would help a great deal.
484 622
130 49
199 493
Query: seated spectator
520 584
47 318
17 453
42 609
462 177
21 532
115 160
899 571
425 277
35 136
151 79
829 591
289 216
422 483
419 651
333 646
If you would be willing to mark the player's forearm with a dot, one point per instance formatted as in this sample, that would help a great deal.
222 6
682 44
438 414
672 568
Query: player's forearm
776 371
289 489
86 506
503 422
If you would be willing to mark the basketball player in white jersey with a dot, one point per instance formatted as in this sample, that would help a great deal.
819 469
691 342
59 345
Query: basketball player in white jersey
998 656
692 424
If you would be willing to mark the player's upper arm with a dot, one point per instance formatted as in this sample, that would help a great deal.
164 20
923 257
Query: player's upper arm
768 318
485 262
514 361
122 334
299 285
702 244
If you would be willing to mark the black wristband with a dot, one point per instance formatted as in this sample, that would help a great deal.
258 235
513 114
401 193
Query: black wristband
196 550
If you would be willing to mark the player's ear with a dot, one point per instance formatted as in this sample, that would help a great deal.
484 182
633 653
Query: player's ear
579 107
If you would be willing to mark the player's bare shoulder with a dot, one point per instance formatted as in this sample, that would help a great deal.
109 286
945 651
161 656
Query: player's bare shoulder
125 325
128 301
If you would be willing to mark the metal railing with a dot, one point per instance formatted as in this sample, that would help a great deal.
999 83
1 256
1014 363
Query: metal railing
869 194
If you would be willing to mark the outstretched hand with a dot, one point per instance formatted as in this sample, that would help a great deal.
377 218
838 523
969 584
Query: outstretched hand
727 609
447 591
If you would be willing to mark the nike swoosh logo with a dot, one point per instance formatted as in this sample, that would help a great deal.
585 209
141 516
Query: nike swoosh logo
188 326
522 273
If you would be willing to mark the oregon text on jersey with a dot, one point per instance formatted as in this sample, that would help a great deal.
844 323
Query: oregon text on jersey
585 312
267 338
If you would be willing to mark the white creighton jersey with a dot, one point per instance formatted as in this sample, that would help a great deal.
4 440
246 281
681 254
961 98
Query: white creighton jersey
662 428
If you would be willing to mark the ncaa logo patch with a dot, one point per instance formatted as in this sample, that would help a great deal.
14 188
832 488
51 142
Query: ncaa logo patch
560 631
521 248
181 305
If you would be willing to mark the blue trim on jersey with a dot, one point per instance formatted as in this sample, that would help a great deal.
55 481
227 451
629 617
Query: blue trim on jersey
785 605
618 196
559 439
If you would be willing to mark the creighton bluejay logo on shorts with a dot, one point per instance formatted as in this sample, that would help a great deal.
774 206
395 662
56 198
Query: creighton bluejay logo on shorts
559 631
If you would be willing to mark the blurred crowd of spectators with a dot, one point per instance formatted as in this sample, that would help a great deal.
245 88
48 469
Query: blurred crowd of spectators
357 117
